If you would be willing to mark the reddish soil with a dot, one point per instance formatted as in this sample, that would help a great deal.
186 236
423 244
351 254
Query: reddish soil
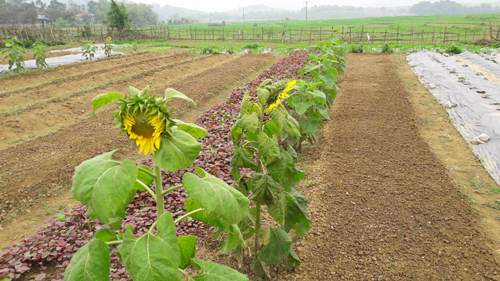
383 206
41 145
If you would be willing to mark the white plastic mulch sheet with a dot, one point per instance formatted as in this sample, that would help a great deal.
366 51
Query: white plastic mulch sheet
55 61
468 87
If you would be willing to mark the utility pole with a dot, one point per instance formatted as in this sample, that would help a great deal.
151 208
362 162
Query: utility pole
243 14
306 8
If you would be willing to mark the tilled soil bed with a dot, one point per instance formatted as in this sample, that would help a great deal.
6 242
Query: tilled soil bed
383 206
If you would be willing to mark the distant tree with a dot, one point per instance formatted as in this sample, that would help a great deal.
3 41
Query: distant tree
91 5
2 2
118 17
56 5
382 9
40 5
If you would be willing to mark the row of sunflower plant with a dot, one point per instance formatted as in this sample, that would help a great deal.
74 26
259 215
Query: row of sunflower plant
264 174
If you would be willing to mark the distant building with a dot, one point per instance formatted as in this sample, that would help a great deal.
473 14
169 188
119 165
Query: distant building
42 19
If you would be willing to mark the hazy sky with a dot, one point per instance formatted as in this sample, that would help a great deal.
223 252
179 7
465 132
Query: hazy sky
225 5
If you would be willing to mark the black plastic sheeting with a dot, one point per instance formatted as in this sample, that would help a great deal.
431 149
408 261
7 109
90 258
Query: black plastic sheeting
55 61
473 101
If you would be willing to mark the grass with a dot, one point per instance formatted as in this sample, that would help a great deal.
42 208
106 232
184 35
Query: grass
453 23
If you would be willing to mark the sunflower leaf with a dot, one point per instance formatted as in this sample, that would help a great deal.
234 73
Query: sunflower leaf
171 93
278 246
193 129
216 197
177 152
103 99
211 271
145 257
106 186
187 250
90 263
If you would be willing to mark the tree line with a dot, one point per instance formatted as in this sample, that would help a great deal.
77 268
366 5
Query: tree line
70 13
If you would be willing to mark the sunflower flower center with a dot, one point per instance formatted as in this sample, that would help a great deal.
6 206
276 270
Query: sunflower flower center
142 126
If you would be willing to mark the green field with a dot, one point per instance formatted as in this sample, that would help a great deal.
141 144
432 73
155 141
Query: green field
453 23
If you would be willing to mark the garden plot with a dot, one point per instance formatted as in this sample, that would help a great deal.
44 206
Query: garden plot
468 87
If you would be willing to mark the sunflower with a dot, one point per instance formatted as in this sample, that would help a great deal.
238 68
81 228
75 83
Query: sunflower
109 39
282 95
146 129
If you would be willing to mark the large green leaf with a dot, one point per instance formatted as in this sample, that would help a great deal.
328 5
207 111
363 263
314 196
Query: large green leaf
249 122
245 104
187 250
215 196
106 235
152 256
265 189
236 133
291 126
103 99
271 128
279 116
292 260
260 268
268 148
202 216
233 239
292 175
278 209
278 246
244 157
262 95
90 263
322 110
106 186
300 105
310 125
192 129
328 77
277 168
318 95
144 178
177 152
296 214
216 272
171 93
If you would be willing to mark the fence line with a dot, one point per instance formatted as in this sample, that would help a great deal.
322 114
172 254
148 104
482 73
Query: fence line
99 34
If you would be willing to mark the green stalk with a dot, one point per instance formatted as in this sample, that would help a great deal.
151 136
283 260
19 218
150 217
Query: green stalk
159 192
172 189
188 214
147 172
114 242
257 227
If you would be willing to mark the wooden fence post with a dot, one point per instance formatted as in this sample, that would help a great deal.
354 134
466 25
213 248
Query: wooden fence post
397 36
385 35
310 34
444 37
459 36
320 34
342 36
253 33
362 29
350 34
300 38
262 35
433 28
474 34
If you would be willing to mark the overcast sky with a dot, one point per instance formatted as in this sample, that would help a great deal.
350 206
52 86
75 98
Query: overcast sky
225 5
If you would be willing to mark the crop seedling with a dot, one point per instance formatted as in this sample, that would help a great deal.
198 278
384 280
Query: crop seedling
462 79
107 187
39 55
15 54
88 50
107 47
387 49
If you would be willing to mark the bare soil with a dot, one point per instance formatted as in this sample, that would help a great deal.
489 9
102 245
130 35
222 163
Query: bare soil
383 206
42 143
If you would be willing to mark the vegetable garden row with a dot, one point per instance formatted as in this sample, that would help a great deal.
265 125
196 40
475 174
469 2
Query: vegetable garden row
249 142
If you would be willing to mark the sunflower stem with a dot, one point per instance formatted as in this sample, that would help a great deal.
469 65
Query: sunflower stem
147 172
185 274
114 242
257 227
159 192
146 187
188 214
172 189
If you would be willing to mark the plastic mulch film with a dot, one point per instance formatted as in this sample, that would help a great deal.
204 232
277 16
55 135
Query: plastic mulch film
55 61
468 87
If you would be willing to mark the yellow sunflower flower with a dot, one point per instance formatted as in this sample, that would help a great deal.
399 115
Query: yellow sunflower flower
282 95
146 129
109 39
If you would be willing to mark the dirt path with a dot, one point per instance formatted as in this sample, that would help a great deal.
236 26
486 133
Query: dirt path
35 173
383 205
